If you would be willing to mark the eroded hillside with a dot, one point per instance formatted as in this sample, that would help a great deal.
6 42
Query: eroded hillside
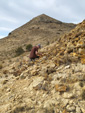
55 83
42 29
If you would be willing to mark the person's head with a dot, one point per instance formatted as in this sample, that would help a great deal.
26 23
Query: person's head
39 46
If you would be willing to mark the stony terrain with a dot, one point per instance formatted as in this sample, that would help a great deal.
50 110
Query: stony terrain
42 29
55 83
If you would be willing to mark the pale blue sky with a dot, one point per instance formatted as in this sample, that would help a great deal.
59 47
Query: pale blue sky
14 13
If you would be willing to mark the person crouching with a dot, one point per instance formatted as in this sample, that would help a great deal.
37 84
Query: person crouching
34 52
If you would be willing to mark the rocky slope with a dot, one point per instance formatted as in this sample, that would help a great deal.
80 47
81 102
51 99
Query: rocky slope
55 83
42 29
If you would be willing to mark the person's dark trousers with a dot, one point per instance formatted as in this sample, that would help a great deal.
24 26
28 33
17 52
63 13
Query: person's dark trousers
33 59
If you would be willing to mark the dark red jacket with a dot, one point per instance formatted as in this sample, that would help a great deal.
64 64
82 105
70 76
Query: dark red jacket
33 52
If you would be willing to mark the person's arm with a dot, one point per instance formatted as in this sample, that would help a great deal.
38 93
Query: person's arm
38 53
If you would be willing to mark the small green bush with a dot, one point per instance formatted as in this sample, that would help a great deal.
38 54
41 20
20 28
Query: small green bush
29 47
19 51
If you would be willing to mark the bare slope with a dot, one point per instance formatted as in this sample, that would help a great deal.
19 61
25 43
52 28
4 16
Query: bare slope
42 29
55 83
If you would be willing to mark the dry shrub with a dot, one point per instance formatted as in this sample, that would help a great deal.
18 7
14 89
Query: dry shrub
81 84
1 66
83 94
29 47
5 71
19 51
17 73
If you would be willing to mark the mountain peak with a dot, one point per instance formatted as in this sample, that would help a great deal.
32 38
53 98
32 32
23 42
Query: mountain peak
44 18
42 15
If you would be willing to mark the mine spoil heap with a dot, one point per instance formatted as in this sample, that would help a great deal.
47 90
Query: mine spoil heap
54 83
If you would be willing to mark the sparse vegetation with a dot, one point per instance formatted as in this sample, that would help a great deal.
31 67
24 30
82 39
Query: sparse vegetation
1 66
5 71
17 73
81 84
19 51
83 94
48 43
29 47
9 33
4 82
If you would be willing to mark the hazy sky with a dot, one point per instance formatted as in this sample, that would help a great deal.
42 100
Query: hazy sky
14 13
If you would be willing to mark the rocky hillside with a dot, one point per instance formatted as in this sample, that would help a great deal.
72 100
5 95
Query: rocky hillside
42 29
55 83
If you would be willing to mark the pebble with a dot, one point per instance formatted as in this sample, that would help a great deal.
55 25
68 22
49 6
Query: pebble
67 67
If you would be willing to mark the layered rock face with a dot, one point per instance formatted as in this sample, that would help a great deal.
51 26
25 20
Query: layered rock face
54 83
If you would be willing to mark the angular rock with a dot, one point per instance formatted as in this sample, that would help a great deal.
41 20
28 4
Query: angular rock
70 108
83 60
78 110
68 95
34 72
65 111
60 88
